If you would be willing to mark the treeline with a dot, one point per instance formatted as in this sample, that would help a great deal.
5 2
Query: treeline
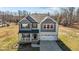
65 16
12 16
68 16
15 16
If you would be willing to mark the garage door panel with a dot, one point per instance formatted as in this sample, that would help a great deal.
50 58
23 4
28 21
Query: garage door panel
48 37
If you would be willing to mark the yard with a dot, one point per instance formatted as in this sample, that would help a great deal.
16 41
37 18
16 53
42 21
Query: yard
9 37
70 37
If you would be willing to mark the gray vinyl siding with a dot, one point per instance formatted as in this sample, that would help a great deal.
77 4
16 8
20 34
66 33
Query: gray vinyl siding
48 21
31 19
22 28
35 25
51 30
24 21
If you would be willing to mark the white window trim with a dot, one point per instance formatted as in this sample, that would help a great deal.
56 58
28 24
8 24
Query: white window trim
36 27
49 26
25 26
53 26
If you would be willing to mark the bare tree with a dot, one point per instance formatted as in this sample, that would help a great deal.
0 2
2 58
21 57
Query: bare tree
25 13
77 15
20 14
68 14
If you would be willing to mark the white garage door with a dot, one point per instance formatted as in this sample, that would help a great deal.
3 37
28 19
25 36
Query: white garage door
48 38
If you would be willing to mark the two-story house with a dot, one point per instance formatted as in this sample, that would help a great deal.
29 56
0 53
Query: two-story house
32 29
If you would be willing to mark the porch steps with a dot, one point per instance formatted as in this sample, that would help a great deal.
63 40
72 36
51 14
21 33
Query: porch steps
35 45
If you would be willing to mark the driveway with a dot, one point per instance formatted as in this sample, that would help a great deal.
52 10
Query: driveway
49 46
27 48
43 46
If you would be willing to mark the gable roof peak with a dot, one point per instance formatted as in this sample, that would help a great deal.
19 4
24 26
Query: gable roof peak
31 19
48 18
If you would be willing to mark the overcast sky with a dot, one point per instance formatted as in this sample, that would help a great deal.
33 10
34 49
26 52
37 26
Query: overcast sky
31 9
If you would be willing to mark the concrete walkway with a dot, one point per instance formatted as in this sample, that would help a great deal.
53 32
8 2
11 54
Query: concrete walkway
49 46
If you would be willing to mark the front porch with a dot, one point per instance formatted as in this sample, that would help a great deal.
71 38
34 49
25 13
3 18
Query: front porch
28 38
28 41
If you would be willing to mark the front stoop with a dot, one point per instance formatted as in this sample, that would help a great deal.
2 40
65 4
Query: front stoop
35 45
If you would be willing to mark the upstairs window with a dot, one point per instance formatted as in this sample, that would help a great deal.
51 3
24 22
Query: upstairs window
52 26
44 26
48 26
25 26
34 25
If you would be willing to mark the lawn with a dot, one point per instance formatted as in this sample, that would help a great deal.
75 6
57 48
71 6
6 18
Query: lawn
70 37
9 38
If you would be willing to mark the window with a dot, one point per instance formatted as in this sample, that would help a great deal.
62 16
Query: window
25 26
48 26
44 26
51 26
34 25
25 35
35 36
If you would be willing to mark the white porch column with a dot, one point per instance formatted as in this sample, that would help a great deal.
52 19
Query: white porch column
30 33
30 37
20 37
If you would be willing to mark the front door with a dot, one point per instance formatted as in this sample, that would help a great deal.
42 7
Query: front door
35 37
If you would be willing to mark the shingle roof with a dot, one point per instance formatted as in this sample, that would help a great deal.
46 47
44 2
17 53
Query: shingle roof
31 19
24 20
38 17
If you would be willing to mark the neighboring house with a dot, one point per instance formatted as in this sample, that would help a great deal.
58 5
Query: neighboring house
32 29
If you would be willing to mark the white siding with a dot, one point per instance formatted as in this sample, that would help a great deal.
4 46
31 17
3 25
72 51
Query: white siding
48 37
